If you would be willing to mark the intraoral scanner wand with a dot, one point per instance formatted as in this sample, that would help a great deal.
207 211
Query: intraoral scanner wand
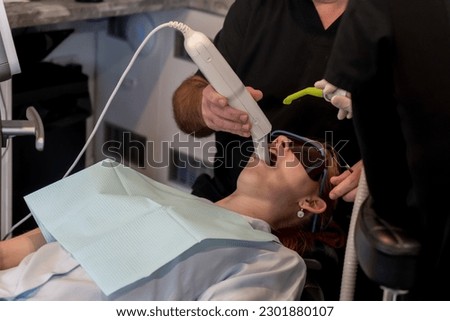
225 81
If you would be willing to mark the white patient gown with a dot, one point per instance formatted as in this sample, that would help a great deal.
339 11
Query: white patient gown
210 270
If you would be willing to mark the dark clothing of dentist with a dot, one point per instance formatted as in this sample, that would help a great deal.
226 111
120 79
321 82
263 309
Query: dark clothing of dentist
394 58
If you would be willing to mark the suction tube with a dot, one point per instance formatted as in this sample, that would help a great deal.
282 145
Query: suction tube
350 261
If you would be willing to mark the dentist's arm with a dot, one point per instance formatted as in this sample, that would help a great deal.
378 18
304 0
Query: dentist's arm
201 110
13 250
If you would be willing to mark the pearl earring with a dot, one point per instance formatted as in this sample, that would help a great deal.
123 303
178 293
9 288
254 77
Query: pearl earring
300 213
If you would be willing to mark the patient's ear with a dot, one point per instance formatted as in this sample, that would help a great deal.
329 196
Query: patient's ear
315 205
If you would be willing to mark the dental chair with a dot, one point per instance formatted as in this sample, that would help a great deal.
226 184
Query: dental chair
323 275
385 253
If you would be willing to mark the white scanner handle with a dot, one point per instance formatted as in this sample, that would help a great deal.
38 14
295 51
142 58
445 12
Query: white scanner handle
225 81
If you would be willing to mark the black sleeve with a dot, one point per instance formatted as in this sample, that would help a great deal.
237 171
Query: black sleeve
229 39
364 29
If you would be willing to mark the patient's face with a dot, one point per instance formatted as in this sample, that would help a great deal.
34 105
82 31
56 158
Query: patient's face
284 180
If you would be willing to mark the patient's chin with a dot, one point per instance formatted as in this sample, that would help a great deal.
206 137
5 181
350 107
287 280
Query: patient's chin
255 161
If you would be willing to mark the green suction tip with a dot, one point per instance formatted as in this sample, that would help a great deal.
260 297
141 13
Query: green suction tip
311 91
